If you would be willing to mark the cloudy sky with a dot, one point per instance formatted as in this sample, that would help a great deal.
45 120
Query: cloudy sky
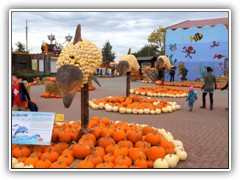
122 29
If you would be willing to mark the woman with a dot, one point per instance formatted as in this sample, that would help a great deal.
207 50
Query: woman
210 84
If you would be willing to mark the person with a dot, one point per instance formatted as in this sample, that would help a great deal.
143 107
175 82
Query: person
191 98
225 87
210 84
19 94
172 73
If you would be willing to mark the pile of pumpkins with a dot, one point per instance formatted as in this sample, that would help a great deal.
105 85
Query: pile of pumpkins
160 92
109 145
134 105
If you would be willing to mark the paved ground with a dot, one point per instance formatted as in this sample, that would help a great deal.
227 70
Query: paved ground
205 133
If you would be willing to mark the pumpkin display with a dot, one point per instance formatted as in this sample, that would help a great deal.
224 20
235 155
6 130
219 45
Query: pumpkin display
160 91
111 145
134 104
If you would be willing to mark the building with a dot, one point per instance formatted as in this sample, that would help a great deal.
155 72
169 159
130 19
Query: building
199 43
147 61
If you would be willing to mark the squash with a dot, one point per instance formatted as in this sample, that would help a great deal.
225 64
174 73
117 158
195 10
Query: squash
182 154
172 161
122 110
160 163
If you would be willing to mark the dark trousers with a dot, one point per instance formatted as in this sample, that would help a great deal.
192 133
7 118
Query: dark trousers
171 77
204 98
160 71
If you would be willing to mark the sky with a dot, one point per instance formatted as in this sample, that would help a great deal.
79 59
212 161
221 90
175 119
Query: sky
123 29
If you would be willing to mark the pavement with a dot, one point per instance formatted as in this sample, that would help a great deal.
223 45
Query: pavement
204 133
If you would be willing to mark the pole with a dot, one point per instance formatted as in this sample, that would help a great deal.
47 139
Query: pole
26 37
128 84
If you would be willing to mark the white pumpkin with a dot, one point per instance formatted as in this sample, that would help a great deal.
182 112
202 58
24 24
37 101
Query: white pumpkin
128 110
115 109
101 105
160 163
131 91
174 108
181 154
14 161
155 94
140 111
19 165
156 103
153 112
169 108
122 110
143 93
164 110
158 111
108 108
95 106
174 96
172 161
178 148
178 107
146 110
177 143
163 95
134 111
177 158
28 166
159 94
162 131
136 92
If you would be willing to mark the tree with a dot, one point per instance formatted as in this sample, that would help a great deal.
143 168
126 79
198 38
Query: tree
20 47
108 55
158 37
147 50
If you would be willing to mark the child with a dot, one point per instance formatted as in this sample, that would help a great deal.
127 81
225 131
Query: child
192 97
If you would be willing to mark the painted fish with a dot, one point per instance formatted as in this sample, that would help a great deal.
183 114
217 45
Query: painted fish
196 37
214 43
219 56
21 129
173 47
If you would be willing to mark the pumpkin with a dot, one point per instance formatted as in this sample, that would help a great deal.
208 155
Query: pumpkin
177 143
43 163
19 165
67 158
85 164
81 150
58 164
172 161
181 154
14 161
155 152
160 163
122 110
141 163
28 166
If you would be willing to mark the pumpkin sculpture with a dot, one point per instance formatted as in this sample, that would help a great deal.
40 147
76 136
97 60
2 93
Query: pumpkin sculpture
76 64
127 63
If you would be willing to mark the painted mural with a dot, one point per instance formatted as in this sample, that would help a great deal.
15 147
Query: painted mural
198 48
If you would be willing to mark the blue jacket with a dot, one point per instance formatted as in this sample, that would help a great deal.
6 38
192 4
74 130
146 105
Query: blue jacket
192 96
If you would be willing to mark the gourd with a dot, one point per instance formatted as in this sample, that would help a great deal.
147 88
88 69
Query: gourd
160 163
172 161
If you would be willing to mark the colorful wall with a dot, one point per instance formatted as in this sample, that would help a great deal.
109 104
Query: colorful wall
197 49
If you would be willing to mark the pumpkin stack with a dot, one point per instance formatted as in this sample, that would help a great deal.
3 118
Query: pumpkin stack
160 91
110 145
134 104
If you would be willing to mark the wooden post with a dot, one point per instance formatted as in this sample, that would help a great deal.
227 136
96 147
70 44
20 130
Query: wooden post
84 108
128 84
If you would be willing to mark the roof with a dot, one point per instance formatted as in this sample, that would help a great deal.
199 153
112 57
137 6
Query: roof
146 58
198 23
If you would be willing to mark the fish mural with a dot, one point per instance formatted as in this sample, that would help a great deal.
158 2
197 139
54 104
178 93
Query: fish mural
173 47
214 44
196 37
21 129
218 56
189 50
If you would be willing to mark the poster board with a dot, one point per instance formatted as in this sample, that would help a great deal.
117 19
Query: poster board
34 65
32 127
41 65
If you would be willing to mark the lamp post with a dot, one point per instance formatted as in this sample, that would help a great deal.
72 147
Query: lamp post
68 38
51 38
